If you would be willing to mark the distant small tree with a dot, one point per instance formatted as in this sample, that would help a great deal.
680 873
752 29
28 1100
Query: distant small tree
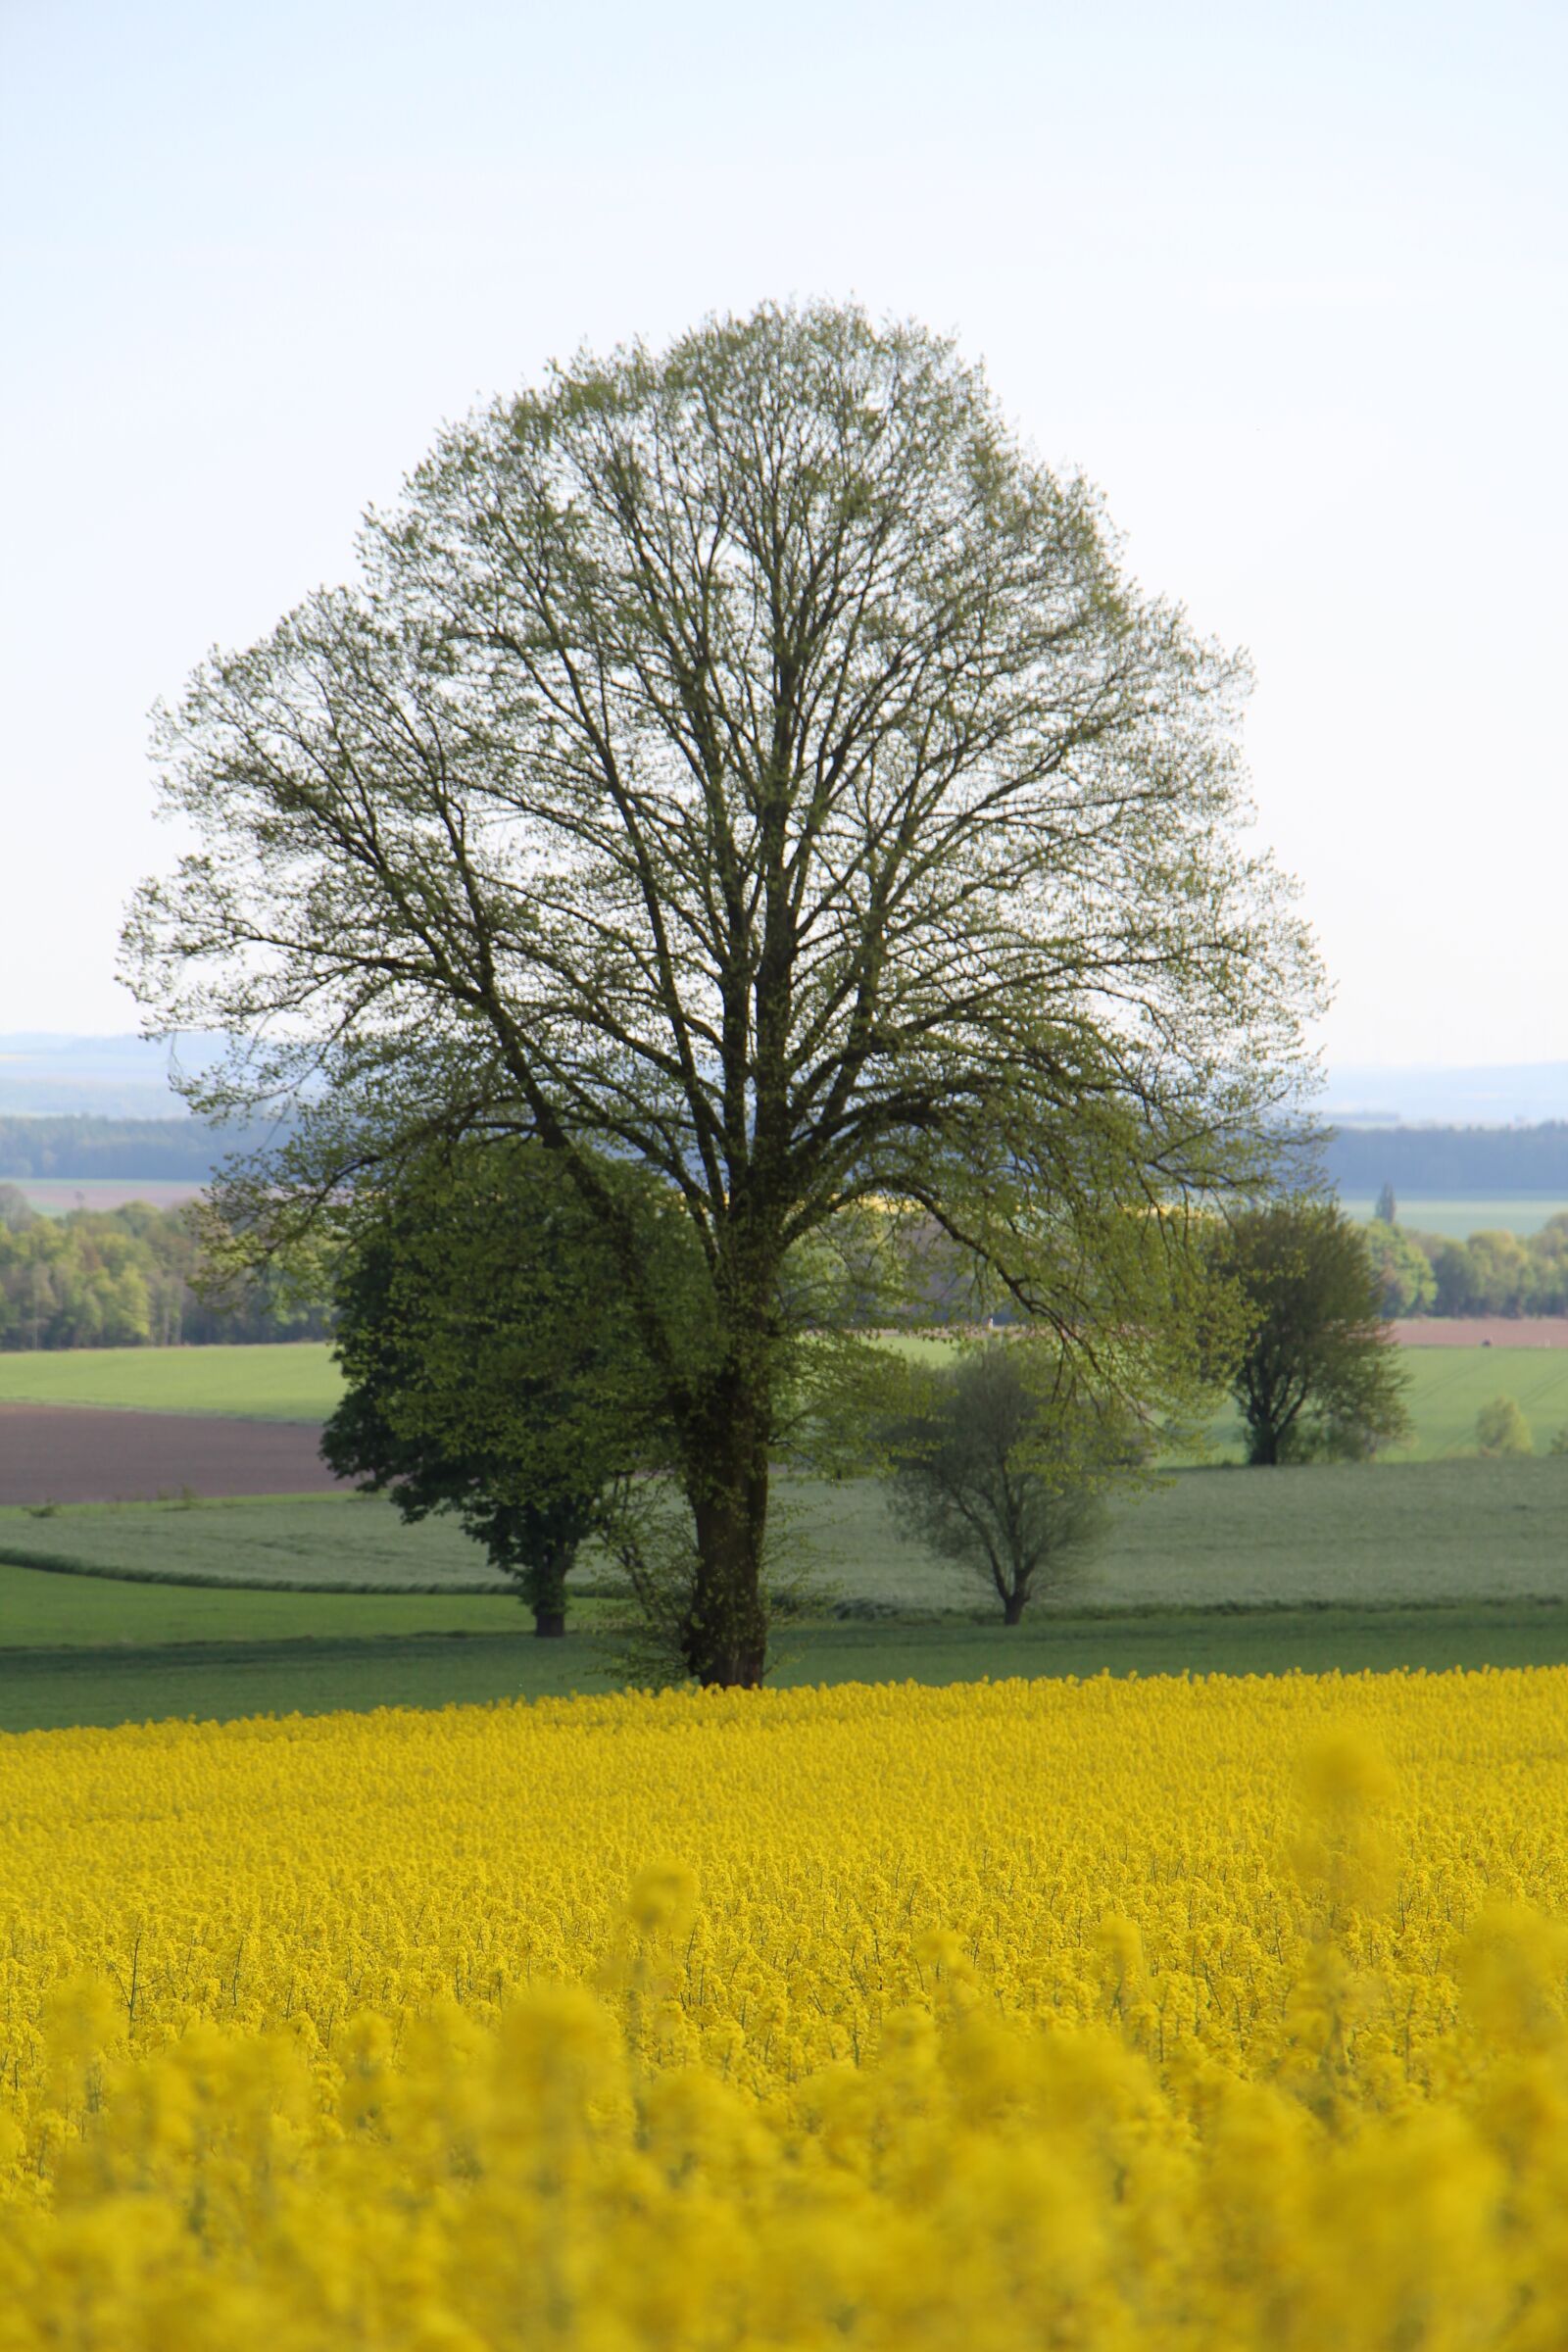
1501 1430
1387 1211
1559 1443
996 1468
1316 1378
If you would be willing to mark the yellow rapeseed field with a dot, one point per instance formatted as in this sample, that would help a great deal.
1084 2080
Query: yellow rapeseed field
1209 2014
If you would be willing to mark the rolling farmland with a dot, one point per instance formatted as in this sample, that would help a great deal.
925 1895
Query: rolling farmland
1433 1561
315 1604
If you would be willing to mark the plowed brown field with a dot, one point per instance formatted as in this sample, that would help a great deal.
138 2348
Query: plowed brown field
77 1453
1482 1331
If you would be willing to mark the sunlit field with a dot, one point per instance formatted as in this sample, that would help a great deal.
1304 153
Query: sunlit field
1117 2014
292 1381
299 1382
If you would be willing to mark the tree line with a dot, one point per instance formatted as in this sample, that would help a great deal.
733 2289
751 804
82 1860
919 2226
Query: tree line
133 1277
1449 1162
1487 1274
84 1146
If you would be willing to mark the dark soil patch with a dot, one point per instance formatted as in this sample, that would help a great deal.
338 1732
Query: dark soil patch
79 1454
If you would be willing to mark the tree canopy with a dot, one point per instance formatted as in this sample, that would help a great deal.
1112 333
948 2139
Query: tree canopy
1315 1375
750 760
139 1276
489 1369
1001 1467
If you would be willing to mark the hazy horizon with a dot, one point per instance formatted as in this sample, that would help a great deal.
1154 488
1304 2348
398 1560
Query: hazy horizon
44 1072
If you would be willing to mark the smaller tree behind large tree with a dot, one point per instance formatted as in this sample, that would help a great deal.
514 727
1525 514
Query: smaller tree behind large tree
491 1368
1316 1377
999 1467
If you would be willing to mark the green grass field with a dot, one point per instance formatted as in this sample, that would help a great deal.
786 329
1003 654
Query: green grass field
42 1689
1217 1537
357 1542
1457 1216
1457 1220
273 1605
296 1381
39 1608
1447 1387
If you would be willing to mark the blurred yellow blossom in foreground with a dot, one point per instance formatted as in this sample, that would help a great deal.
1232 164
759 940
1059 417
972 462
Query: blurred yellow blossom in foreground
1223 2013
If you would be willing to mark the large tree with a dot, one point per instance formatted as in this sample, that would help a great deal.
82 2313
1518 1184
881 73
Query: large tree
750 759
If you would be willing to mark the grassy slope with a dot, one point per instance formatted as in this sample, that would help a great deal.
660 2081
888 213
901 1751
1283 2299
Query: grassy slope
1456 1564
310 1540
1442 1564
1436 1532
1448 1386
42 1610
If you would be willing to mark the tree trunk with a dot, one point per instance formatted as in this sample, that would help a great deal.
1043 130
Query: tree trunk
544 1589
725 1635
1012 1608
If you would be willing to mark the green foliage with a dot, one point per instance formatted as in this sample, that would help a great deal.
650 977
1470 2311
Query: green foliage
1387 1211
490 1370
1316 1378
1490 1273
139 1276
1406 1283
1001 1463
15 1214
1502 1429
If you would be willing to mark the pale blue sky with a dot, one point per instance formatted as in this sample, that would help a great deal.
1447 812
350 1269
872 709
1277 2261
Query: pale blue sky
1289 283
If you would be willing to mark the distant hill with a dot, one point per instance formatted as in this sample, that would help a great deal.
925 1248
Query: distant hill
1450 1162
113 1077
1487 1094
127 1077
103 1106
143 1150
